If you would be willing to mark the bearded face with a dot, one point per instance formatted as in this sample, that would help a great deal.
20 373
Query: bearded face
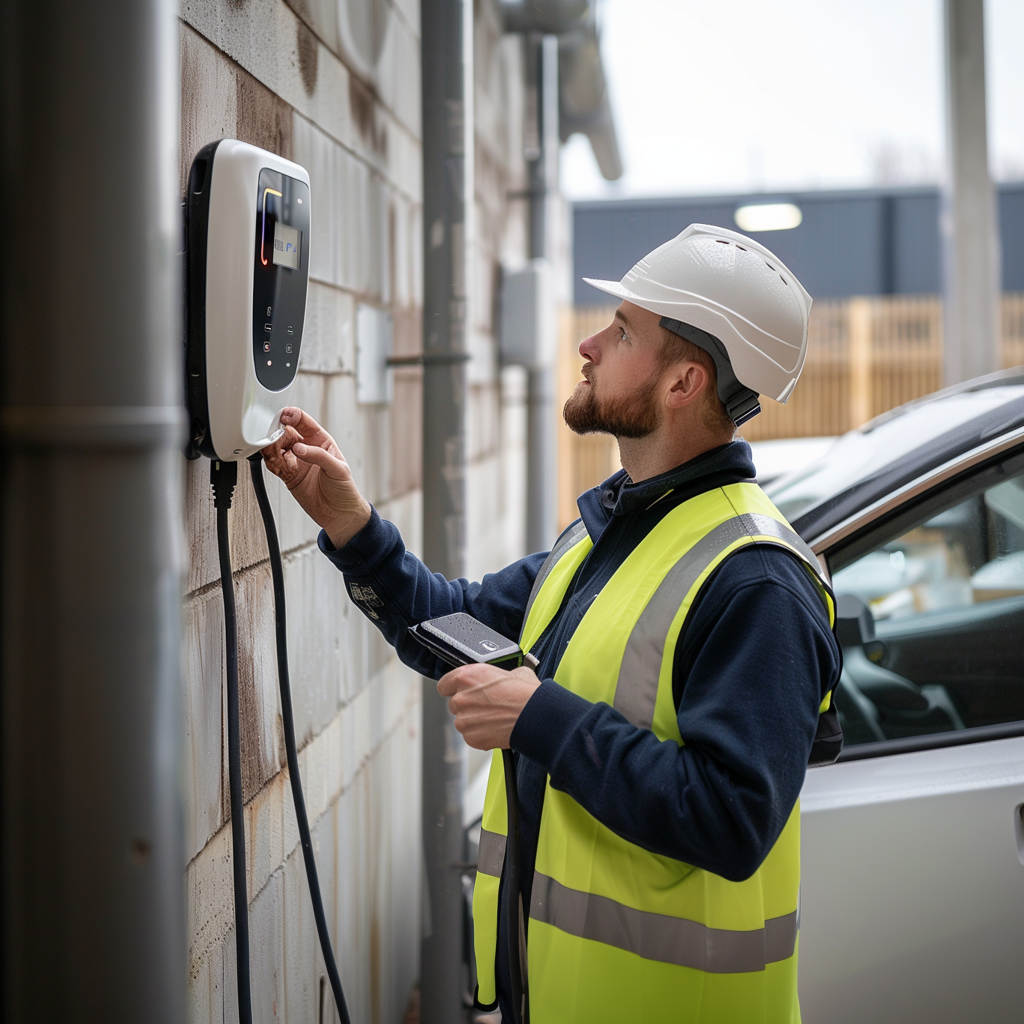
634 414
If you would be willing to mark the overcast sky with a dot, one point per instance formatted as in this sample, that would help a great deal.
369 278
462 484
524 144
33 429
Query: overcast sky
742 95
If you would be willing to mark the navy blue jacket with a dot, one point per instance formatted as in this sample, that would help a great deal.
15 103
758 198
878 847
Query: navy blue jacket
753 664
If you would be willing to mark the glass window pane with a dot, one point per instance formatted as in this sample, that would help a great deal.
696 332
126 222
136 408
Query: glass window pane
932 622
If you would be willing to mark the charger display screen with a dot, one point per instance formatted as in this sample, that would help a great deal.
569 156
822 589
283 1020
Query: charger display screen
280 275
287 243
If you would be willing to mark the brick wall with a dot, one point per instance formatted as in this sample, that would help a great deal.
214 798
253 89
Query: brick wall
335 86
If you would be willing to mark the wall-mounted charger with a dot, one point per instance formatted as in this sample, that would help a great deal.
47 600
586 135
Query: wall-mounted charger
247 258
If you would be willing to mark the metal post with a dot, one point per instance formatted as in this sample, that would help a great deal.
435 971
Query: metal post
968 220
90 563
447 171
542 167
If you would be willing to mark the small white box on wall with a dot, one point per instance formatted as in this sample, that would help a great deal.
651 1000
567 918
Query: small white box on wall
529 317
374 378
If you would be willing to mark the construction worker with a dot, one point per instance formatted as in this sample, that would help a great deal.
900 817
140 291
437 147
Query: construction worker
686 663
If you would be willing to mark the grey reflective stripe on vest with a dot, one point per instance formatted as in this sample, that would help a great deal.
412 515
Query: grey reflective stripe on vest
491 856
671 940
637 687
568 537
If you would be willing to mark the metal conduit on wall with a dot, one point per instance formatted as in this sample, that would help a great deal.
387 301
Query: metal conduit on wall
91 573
447 169
566 93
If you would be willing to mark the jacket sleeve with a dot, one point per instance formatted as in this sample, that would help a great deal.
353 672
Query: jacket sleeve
753 665
395 590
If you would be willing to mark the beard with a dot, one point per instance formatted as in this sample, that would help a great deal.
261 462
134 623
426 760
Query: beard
634 415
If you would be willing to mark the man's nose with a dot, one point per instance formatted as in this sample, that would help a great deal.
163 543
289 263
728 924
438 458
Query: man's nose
589 348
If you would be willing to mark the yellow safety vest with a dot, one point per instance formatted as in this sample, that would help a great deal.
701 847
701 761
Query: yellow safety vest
617 933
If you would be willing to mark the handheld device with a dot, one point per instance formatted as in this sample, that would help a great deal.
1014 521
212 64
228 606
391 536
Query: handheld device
459 639
248 218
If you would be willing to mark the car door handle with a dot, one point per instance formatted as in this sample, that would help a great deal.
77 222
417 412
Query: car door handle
1018 828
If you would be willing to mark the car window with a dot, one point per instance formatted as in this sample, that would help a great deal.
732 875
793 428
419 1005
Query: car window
932 619
863 453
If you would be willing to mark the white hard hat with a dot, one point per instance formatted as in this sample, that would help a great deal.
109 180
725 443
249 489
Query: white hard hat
735 299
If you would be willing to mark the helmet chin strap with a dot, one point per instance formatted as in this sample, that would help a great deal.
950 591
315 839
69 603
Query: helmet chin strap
740 402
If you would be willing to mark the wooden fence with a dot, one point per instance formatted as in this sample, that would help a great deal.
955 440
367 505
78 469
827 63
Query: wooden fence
864 357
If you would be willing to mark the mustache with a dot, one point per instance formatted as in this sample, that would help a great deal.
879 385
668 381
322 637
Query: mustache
587 370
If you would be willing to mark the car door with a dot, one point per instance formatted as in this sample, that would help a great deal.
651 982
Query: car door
912 899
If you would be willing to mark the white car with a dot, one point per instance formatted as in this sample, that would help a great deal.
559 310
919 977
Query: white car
912 901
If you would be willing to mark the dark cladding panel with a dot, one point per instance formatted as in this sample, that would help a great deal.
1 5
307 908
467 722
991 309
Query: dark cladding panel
865 242
917 249
1011 231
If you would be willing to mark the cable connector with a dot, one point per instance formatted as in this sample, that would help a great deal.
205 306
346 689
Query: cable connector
223 477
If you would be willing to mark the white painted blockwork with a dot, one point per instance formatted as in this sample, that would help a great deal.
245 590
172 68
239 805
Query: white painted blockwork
291 81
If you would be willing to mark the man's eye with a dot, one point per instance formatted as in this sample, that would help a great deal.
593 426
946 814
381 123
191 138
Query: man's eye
622 333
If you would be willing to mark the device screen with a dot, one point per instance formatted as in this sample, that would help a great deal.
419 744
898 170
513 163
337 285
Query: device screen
287 243
280 274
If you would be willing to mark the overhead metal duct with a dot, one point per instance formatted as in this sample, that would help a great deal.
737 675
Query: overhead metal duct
583 96
582 89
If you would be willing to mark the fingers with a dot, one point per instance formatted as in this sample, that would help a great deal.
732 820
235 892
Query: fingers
458 679
330 463
307 428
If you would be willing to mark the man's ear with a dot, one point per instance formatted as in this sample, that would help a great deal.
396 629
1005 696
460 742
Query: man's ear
689 383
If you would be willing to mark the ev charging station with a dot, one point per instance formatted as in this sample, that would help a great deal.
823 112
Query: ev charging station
247 272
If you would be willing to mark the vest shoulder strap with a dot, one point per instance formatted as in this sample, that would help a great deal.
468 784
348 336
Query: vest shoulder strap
566 539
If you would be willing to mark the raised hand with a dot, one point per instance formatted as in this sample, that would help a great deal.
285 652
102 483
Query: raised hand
312 467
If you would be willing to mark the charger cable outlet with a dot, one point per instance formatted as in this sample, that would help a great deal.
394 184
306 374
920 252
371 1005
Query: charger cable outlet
223 477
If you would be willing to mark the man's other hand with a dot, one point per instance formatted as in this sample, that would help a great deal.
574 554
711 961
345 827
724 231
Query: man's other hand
312 467
486 702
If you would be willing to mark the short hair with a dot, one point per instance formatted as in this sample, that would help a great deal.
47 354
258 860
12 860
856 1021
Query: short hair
678 349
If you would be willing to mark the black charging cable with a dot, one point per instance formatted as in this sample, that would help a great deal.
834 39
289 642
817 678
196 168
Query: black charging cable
259 485
223 476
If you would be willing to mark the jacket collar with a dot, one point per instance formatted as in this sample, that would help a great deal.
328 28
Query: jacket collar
619 496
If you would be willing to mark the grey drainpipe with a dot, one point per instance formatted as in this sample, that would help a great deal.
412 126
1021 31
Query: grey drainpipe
566 93
90 564
447 156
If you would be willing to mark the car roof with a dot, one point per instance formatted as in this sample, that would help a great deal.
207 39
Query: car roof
896 448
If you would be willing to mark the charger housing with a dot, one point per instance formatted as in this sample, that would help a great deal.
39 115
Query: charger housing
247 275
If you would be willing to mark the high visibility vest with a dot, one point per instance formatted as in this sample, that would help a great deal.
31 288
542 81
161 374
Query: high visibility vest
617 933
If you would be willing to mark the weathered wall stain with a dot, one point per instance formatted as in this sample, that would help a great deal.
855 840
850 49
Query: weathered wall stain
362 103
309 52
264 119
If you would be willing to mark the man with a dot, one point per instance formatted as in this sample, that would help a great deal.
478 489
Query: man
685 654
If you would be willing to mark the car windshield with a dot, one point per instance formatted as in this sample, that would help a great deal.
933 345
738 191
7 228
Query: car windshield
863 453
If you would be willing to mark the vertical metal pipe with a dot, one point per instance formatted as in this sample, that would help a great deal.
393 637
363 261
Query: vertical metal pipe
542 167
90 563
447 159
968 219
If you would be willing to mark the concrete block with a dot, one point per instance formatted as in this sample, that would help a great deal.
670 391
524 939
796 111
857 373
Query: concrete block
314 592
259 701
205 1003
209 901
398 74
264 835
266 950
328 340
203 621
208 98
269 42
302 973
322 18
229 986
